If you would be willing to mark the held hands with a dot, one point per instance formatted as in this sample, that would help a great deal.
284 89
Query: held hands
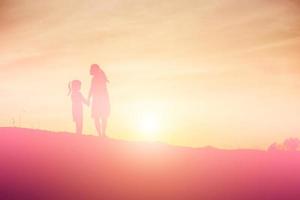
87 101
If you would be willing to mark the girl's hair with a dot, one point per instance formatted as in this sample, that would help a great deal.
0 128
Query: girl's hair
73 86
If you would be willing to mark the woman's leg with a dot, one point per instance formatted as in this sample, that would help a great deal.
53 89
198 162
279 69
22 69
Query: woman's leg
79 126
98 125
104 125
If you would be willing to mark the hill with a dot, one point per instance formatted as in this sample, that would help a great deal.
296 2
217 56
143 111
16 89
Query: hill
43 165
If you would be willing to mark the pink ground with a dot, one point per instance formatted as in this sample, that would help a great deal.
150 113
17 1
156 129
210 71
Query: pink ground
45 165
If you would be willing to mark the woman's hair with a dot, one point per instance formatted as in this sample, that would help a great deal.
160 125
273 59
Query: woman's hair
96 70
74 85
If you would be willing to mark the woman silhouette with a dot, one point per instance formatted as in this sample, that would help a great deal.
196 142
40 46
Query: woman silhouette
100 99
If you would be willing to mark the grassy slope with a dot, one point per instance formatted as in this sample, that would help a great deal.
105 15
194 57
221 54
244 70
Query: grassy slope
43 165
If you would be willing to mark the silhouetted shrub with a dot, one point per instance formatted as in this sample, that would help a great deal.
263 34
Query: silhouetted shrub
290 144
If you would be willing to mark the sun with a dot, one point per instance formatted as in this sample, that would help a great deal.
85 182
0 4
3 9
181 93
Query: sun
149 124
148 119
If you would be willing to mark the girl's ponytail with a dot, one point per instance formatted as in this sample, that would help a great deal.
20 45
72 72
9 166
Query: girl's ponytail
70 88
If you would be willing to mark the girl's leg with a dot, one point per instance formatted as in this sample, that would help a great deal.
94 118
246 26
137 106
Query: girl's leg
98 125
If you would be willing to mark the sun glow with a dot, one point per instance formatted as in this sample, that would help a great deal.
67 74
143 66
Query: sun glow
149 119
149 123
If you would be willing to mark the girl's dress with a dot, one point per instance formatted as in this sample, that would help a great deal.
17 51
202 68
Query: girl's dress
77 101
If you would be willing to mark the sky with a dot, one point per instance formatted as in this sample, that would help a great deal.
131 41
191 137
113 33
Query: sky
221 73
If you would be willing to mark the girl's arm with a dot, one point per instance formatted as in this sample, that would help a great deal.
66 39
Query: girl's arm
85 101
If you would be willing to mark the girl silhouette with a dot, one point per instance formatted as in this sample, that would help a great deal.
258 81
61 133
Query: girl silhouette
77 101
100 99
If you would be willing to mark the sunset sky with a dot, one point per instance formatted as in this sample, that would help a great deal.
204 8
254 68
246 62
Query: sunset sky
223 73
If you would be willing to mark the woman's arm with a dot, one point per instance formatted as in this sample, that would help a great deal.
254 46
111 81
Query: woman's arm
91 91
106 79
